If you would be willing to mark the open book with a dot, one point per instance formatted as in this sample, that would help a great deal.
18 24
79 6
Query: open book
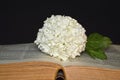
26 62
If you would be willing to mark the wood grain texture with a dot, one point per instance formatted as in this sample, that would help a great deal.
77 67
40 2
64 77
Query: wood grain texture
29 71
91 73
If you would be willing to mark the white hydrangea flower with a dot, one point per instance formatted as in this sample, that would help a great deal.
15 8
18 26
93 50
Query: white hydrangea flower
62 37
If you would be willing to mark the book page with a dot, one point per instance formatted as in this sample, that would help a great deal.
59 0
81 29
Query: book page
30 52
91 73
31 71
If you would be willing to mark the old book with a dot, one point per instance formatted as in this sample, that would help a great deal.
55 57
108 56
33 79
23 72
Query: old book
26 62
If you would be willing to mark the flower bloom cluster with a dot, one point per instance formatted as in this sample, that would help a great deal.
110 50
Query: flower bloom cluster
61 37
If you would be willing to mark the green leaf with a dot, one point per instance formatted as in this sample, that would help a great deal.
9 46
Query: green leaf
106 42
96 44
100 54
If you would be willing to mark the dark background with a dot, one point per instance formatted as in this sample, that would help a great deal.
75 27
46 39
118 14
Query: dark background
20 20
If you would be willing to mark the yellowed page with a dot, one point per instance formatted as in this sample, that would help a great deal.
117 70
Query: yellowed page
91 73
29 71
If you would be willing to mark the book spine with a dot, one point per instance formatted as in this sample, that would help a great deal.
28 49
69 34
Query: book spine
60 75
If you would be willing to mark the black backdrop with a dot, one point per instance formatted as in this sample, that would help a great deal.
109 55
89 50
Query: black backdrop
20 20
